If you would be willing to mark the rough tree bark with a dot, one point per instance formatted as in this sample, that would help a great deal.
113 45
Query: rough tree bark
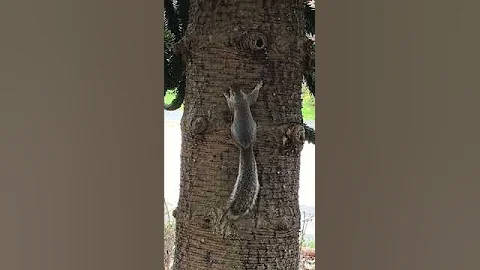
239 43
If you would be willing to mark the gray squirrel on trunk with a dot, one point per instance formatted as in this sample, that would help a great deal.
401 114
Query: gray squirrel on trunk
244 133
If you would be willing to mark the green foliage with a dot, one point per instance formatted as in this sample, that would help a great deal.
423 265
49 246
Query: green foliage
308 104
169 71
174 66
182 11
308 243
310 17
175 24
171 19
310 30
310 82
168 39
170 96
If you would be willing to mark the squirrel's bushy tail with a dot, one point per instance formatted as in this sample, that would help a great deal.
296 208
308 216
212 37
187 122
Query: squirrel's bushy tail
245 191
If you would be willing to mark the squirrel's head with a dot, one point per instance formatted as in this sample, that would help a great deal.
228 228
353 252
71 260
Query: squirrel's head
237 97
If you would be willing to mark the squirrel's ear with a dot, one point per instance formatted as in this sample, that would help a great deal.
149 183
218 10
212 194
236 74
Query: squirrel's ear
252 97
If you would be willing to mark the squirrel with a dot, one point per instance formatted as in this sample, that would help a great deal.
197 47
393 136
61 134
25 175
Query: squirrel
244 133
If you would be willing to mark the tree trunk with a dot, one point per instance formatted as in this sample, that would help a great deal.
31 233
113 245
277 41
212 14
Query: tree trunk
239 43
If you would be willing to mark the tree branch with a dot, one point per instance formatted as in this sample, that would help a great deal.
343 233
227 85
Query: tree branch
309 134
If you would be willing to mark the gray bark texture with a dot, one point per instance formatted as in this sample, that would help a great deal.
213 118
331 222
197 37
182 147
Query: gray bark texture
238 43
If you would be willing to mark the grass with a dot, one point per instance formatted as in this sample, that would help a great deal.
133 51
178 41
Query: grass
308 103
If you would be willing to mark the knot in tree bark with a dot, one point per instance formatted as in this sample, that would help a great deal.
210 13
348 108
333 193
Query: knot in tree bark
294 135
253 41
199 125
